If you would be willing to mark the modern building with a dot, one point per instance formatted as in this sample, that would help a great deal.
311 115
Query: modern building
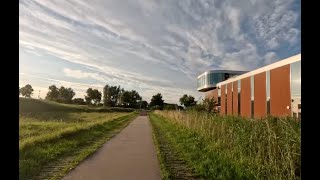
274 89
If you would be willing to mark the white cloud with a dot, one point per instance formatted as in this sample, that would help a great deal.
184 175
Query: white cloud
270 58
153 44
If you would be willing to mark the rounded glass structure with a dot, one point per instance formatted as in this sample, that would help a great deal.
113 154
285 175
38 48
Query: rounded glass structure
209 79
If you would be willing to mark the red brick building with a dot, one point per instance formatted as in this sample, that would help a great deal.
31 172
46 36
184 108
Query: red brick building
274 89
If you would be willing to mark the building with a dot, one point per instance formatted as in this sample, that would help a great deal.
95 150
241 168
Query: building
274 89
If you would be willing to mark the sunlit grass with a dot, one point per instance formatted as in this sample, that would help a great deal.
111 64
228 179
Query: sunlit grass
234 147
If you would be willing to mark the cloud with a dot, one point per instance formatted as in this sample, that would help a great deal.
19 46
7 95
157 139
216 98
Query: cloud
149 45
270 58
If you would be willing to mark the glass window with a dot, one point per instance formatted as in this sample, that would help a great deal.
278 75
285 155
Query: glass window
226 88
268 84
226 104
219 91
239 86
232 97
252 109
217 77
296 80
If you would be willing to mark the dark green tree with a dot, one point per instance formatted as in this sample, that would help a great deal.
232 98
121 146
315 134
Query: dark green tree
143 104
157 100
130 99
93 95
53 93
26 91
79 101
187 101
66 95
111 95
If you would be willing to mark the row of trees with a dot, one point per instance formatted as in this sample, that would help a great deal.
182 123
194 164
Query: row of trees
112 96
115 96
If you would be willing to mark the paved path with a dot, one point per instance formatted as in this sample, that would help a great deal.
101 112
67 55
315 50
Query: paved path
129 155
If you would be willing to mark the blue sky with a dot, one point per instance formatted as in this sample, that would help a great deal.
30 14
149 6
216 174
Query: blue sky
148 45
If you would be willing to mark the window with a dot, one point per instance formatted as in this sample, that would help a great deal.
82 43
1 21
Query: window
226 88
252 96
232 97
226 104
296 80
268 91
226 99
252 87
226 76
252 109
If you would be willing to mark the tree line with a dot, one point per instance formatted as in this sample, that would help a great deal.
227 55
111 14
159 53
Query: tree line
115 96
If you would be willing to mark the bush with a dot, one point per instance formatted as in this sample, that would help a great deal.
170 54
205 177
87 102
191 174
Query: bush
156 107
207 104
170 107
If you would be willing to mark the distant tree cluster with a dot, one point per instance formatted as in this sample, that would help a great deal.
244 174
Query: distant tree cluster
117 96
62 94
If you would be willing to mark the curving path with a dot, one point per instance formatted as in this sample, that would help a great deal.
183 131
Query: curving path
129 155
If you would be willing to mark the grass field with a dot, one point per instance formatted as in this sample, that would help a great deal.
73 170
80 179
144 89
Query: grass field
211 146
60 132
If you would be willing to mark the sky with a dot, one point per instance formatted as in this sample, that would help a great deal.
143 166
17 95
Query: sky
150 46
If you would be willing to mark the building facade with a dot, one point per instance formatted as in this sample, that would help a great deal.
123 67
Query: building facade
274 89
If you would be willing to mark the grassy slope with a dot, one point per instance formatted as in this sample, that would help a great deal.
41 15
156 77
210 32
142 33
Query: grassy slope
27 105
233 148
55 133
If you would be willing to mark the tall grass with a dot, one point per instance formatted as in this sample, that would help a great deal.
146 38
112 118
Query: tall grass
265 148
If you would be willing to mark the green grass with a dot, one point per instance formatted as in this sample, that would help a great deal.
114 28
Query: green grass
53 134
29 106
44 142
232 147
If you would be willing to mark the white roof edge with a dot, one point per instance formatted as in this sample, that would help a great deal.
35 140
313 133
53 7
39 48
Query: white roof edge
280 63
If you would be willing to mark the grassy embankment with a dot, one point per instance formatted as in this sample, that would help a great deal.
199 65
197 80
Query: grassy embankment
53 137
215 147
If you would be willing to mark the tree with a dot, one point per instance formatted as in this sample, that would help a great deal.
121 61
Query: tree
187 101
130 98
26 91
143 104
53 93
65 95
157 100
78 101
111 95
207 104
93 95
